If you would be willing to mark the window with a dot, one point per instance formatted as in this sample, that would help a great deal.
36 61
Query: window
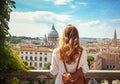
30 63
45 53
31 58
113 66
36 53
26 52
45 65
35 64
21 57
26 57
107 66
21 52
40 58
40 64
40 53
45 59
30 52
110 66
35 58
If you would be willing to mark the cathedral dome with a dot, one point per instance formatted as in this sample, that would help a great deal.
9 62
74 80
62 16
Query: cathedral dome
53 32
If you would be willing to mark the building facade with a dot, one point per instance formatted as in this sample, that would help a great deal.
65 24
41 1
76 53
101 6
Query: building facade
108 51
110 54
36 57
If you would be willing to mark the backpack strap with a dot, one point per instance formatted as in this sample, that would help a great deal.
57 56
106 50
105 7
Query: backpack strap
65 66
77 62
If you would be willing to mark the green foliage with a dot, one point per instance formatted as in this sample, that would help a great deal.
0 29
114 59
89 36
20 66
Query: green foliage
47 66
25 62
31 67
9 58
42 81
5 10
15 80
11 61
52 81
14 39
89 59
29 81
3 80
17 39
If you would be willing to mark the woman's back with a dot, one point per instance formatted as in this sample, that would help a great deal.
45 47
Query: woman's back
57 66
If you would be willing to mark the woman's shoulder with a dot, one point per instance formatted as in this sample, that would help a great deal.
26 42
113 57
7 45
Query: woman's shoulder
55 50
84 52
56 53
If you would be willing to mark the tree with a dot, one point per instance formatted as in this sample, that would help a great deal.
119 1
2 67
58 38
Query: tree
9 58
14 39
5 10
47 66
89 59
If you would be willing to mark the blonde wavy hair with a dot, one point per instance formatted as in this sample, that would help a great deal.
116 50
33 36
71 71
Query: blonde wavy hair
69 46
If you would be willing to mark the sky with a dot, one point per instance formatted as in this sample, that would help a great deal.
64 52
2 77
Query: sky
93 18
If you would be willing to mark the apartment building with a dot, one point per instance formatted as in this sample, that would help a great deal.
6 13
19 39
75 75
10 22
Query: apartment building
36 57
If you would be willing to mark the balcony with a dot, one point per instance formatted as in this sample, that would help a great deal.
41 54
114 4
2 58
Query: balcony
92 77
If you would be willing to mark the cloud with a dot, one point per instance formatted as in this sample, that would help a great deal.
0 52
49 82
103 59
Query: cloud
94 22
49 17
47 0
39 16
95 28
90 23
59 2
115 20
73 6
83 3
35 24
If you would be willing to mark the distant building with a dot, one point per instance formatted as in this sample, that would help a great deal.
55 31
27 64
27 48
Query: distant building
39 53
51 39
108 51
36 57
96 64
110 54
94 51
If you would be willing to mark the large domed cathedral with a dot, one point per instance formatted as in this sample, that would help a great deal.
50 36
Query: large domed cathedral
51 39
53 34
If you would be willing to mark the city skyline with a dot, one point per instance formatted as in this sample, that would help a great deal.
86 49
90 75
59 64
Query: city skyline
96 19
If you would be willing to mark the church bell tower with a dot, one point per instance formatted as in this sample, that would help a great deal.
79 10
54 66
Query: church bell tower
115 38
